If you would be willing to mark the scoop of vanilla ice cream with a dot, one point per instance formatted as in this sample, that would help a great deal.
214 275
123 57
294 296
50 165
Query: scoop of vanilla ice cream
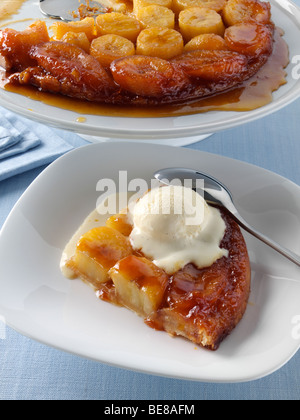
174 226
170 213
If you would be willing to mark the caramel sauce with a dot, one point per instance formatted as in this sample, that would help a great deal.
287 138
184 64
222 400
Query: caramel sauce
143 272
252 94
81 119
9 8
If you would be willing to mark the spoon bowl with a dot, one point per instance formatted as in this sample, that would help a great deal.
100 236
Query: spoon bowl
62 9
217 194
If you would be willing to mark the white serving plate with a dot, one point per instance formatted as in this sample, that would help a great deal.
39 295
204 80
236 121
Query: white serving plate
36 300
285 14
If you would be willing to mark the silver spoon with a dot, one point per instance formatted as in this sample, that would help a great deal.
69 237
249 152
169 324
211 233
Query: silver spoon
215 193
62 9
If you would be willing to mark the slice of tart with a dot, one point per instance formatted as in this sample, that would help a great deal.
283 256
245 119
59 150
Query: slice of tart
188 279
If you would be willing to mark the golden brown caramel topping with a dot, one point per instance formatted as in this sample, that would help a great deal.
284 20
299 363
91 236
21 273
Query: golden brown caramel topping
136 64
105 245
249 38
139 284
141 271
249 95
120 223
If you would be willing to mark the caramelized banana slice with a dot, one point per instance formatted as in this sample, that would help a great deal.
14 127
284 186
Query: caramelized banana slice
250 39
212 65
237 11
118 24
217 5
108 48
86 25
79 74
159 42
138 4
148 76
96 252
15 46
140 285
121 223
196 21
155 15
206 42
79 39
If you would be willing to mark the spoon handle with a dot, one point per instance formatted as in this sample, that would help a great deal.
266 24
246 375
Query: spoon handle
282 250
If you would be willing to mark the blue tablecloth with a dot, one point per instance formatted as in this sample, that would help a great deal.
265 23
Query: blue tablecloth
29 370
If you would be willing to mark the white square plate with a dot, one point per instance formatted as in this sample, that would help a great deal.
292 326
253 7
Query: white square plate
36 300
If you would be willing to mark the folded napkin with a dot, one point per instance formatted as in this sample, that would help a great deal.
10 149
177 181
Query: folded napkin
26 145
7 140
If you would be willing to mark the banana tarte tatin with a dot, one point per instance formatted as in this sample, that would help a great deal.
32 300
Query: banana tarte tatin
202 300
156 52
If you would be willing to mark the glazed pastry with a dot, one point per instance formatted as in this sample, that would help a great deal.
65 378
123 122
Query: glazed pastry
144 64
188 280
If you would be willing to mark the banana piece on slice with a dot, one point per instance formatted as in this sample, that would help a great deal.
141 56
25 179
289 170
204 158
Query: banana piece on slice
96 252
118 24
86 25
120 222
179 5
114 5
206 42
155 15
196 21
159 42
148 76
138 4
140 284
237 11
249 38
110 47
79 39
212 65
